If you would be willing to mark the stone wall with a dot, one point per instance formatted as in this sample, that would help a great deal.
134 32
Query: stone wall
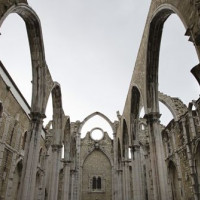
96 158
14 126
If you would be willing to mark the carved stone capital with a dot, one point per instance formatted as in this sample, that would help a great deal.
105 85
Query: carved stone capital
37 116
152 117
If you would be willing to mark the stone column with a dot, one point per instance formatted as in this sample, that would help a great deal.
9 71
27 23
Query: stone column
148 180
66 182
138 190
79 168
193 174
55 168
158 166
73 177
126 180
192 125
120 187
30 161
44 180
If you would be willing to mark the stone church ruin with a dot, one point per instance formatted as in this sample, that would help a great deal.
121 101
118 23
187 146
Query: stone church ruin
143 161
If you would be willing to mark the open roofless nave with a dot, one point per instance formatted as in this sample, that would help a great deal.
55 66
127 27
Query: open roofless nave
144 160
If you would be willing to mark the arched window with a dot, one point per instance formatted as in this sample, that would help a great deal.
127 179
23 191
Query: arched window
94 183
24 140
40 156
99 183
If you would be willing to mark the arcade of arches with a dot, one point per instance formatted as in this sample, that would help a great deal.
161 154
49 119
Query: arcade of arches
144 160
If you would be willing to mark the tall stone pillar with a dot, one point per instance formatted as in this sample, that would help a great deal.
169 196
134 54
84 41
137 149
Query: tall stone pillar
138 189
126 180
67 162
44 180
120 187
148 177
30 161
158 166
66 182
193 173
73 178
55 168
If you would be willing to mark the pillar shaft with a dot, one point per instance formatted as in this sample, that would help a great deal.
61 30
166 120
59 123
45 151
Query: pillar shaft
30 161
66 181
138 190
159 171
55 168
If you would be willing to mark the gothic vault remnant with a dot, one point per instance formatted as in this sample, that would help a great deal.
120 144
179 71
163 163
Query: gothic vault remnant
144 160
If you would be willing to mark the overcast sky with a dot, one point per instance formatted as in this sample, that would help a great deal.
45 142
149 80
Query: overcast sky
91 47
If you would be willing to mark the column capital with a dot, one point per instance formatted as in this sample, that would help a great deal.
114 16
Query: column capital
67 162
37 116
56 147
152 117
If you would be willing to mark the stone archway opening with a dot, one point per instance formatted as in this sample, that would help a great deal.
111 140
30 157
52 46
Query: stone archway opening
16 56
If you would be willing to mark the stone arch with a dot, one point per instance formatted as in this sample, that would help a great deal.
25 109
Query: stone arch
96 114
135 111
100 149
154 39
41 157
175 105
67 140
58 113
40 73
125 140
174 181
57 100
24 140
119 152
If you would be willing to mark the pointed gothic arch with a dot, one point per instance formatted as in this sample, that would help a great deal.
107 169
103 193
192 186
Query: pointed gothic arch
153 49
102 151
67 140
40 73
125 140
96 114
135 111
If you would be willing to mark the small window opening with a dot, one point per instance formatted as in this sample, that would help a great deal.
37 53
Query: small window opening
99 183
129 153
94 183
24 140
